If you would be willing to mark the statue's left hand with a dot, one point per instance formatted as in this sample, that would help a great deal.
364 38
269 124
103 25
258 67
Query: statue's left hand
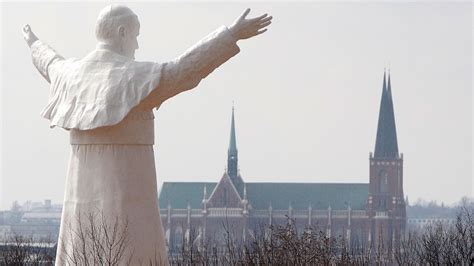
28 35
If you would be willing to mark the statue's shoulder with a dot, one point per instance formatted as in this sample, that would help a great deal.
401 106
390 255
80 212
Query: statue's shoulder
139 65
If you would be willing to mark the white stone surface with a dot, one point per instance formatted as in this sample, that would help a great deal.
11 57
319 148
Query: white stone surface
106 100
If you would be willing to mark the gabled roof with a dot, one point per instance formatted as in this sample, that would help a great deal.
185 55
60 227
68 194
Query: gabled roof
224 183
260 195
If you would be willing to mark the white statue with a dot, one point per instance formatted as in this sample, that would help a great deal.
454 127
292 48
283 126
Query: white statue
106 101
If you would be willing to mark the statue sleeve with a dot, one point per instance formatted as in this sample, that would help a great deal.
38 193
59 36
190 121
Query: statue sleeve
45 59
186 71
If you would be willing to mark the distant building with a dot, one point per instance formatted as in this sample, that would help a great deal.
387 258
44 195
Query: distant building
364 214
421 216
415 224
5 231
38 220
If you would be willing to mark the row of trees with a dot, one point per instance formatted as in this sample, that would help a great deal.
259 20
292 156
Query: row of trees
20 250
101 243
436 244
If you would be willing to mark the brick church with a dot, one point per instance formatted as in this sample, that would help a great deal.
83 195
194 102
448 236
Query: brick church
364 214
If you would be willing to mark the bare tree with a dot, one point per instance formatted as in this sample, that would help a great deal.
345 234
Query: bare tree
96 241
441 243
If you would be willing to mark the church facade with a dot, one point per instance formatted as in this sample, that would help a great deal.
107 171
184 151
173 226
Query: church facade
364 214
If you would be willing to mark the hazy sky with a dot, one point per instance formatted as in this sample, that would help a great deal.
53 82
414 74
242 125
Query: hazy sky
306 94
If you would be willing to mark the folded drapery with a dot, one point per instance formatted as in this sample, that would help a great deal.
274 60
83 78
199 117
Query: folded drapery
101 88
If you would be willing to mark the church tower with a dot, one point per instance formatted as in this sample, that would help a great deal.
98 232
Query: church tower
233 159
386 204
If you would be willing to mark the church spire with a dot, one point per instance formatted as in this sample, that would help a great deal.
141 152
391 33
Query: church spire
233 142
233 159
232 154
386 145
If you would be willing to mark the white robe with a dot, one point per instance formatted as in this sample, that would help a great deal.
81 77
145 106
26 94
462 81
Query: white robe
106 101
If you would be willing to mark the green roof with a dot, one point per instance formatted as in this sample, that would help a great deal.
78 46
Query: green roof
178 194
301 195
320 195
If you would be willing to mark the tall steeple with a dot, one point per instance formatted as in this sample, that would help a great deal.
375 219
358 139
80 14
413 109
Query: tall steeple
386 145
232 153
233 159
386 198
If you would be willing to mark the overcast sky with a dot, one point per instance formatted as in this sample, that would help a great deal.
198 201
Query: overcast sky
306 94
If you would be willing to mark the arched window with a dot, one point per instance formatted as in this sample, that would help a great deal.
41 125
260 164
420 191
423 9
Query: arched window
383 179
220 239
224 197
167 236
178 237
199 239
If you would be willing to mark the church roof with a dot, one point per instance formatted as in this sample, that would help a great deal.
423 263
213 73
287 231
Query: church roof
178 194
260 195
320 195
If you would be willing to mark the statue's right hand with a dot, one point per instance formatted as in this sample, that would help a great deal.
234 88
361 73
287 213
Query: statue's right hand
28 35
243 28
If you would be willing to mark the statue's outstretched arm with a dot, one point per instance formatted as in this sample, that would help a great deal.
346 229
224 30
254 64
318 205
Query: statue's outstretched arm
186 71
43 56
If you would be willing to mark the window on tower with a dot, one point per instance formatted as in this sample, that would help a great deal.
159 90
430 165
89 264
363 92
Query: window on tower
383 179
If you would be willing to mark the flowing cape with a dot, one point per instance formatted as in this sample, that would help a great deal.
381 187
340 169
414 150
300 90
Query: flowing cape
97 90
102 88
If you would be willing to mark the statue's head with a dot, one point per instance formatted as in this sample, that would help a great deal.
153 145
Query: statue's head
118 27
